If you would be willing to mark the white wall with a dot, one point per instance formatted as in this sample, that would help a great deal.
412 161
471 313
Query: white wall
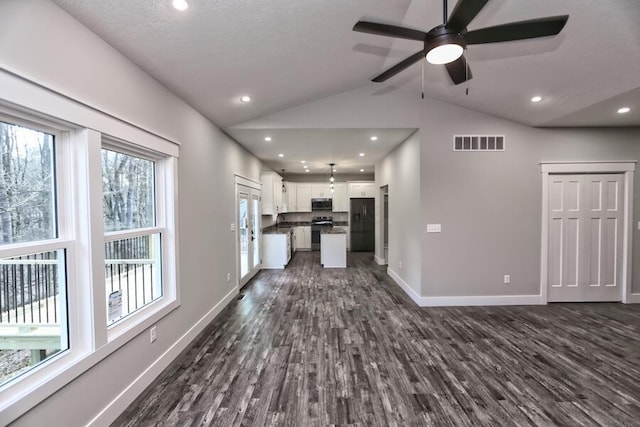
40 42
489 204
400 171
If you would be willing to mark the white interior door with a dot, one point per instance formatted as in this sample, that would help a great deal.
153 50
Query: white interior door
249 211
586 214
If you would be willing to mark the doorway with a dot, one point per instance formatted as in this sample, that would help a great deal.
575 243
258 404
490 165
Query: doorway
249 237
586 232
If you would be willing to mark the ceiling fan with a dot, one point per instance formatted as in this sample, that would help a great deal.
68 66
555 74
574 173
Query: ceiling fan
445 43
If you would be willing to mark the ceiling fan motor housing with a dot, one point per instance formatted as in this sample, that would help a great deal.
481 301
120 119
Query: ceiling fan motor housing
441 35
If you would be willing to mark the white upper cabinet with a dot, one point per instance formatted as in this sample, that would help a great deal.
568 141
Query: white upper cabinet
303 197
289 197
271 193
340 197
362 190
321 191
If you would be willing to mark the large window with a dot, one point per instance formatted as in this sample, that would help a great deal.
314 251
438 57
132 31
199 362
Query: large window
33 325
133 239
88 257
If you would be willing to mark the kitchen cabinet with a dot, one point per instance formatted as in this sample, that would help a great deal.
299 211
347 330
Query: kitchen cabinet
333 250
362 190
302 237
289 198
340 197
303 197
276 250
348 231
321 191
271 193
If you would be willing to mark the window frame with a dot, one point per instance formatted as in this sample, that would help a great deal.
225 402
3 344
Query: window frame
164 214
63 242
81 234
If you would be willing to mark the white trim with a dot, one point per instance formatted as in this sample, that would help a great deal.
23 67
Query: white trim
30 96
405 287
588 167
247 182
627 238
483 300
633 298
544 239
114 408
456 301
623 167
379 260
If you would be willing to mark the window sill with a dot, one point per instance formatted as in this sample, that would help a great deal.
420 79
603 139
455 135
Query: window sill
19 396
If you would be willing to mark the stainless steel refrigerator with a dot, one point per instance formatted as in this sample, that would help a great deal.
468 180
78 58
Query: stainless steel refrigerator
362 225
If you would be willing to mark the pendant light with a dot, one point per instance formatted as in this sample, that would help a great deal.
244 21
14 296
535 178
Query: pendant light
284 187
331 179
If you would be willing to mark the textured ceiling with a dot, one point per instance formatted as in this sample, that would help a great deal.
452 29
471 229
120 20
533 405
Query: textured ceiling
285 53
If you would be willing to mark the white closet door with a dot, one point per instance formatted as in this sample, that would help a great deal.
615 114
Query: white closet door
586 215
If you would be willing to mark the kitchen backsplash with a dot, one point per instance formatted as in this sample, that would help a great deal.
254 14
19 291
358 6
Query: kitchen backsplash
307 216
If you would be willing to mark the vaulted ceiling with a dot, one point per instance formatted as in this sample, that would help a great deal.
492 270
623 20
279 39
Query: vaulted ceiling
286 53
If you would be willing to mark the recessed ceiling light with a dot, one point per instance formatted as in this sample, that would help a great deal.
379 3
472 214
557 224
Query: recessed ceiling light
536 99
361 154
361 170
374 138
245 99
181 5
303 161
280 155
305 167
335 170
268 138
306 170
623 110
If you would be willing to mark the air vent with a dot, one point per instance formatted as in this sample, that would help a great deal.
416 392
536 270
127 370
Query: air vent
478 143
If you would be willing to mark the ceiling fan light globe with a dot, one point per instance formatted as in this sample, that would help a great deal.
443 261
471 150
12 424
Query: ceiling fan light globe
444 53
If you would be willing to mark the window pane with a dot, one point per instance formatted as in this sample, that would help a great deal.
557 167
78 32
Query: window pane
27 201
32 311
133 274
128 191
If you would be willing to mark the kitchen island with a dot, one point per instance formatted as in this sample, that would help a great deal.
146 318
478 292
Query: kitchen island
333 248
276 247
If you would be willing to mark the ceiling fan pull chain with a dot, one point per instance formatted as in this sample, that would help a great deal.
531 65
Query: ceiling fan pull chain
422 79
466 75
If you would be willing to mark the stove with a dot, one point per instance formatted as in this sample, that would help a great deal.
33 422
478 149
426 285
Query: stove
322 221
319 223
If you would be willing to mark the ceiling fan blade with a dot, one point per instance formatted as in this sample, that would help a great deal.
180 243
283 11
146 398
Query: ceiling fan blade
521 30
389 30
464 12
399 67
459 70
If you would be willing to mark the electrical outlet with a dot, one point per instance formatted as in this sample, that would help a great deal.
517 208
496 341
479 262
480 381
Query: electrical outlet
153 334
507 278
233 227
228 277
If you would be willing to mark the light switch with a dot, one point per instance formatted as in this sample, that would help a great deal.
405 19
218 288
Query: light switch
434 228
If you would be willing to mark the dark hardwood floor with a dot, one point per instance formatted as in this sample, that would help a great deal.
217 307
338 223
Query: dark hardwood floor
313 347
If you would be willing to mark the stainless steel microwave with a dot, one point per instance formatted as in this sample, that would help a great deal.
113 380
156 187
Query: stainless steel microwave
321 204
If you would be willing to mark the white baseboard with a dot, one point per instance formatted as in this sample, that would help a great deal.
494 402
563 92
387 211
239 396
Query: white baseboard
452 301
109 414
405 286
379 261
633 299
